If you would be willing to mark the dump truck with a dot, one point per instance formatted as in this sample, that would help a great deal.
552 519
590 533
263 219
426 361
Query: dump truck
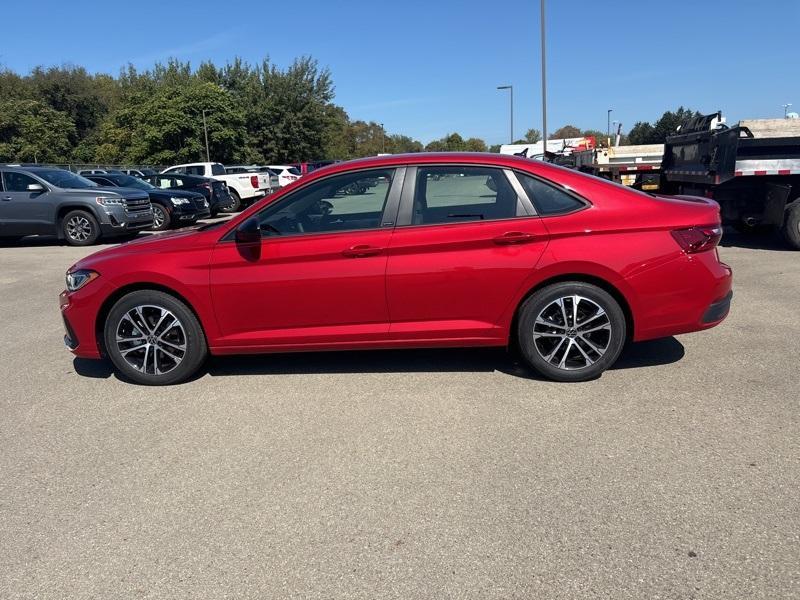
751 169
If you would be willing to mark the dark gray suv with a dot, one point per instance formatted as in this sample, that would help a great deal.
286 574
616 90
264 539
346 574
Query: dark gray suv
50 201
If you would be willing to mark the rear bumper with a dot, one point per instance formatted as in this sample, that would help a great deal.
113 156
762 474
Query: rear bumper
690 293
718 310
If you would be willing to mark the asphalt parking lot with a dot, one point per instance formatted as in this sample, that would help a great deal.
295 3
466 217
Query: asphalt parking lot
446 474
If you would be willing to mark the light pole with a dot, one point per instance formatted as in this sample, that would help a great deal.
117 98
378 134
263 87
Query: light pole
383 139
608 126
786 109
510 88
205 131
544 87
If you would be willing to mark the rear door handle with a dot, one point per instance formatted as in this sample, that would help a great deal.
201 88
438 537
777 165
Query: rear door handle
513 237
361 251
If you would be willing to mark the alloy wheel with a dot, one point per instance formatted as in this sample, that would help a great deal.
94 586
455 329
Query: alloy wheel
158 218
79 228
151 339
572 332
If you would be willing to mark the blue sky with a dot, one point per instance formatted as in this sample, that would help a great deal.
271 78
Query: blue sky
429 68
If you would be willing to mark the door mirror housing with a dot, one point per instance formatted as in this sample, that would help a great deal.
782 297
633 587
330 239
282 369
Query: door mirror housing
35 187
248 232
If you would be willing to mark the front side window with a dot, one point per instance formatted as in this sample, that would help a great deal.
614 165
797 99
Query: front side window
548 199
18 182
341 203
454 194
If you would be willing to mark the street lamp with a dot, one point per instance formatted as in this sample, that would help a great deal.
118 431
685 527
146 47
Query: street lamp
786 109
510 88
608 125
383 139
544 87
205 131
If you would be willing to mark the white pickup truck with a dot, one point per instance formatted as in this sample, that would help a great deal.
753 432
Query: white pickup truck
245 188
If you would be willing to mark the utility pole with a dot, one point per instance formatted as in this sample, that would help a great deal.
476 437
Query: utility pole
544 86
205 130
511 89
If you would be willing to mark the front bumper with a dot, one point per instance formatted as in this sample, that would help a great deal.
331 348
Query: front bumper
120 222
79 311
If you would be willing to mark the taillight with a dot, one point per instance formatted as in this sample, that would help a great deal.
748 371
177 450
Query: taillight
698 239
254 181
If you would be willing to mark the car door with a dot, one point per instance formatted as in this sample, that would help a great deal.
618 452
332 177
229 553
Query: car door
24 208
466 240
317 279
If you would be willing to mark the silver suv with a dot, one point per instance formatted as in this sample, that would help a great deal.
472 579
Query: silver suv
50 201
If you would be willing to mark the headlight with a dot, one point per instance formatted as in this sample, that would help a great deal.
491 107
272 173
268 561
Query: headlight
110 200
77 279
179 201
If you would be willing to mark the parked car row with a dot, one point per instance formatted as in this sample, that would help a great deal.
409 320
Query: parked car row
81 210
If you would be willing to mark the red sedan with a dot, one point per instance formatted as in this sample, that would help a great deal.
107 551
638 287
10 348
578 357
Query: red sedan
423 250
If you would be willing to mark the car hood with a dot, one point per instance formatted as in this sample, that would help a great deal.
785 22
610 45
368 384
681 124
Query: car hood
125 192
157 243
172 193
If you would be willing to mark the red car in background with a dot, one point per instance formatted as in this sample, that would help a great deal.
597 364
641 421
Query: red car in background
421 250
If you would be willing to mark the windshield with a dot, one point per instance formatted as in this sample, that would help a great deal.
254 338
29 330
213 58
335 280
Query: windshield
131 182
65 179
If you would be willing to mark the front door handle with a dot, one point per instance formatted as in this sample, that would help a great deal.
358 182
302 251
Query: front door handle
6 198
361 251
513 237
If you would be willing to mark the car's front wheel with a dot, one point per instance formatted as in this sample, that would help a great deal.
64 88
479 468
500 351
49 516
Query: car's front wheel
571 331
154 339
80 228
236 203
161 218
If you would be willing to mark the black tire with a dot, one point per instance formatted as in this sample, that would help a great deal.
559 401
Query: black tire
189 334
579 357
236 203
80 228
162 219
791 224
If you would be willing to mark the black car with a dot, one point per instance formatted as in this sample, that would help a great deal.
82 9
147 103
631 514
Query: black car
143 172
171 208
216 192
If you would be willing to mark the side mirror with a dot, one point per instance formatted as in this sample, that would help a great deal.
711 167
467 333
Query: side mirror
35 187
248 232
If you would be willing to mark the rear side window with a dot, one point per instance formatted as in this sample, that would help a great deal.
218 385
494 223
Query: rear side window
454 194
216 169
548 199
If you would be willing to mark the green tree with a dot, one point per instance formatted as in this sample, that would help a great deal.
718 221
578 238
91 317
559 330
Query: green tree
30 131
567 131
657 133
532 136
166 126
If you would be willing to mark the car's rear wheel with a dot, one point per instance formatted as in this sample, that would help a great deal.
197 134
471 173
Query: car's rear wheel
236 203
571 331
80 228
161 218
154 339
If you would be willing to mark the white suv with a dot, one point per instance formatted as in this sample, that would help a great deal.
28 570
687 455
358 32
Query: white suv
286 174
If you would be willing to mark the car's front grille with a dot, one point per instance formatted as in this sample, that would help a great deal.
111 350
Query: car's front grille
136 205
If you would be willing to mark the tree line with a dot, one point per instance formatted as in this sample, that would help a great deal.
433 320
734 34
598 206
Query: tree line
253 113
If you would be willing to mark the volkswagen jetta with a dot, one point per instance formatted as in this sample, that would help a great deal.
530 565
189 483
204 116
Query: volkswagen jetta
423 250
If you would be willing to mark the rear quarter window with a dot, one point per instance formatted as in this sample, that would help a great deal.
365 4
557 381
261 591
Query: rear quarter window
547 198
